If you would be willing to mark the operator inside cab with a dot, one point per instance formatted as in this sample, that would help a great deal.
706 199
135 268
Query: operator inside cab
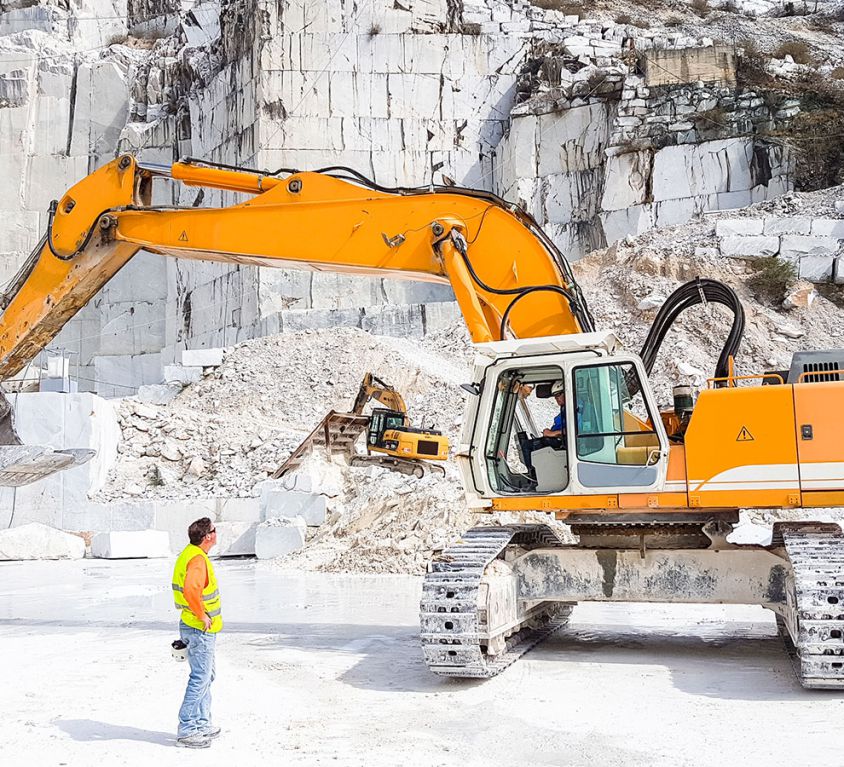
558 428
554 437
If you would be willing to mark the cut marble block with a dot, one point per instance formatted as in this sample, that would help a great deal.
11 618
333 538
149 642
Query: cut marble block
134 544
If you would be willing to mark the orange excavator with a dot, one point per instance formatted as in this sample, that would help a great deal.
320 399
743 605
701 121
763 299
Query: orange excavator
651 494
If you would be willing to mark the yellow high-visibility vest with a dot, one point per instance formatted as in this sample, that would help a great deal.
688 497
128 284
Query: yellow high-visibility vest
210 594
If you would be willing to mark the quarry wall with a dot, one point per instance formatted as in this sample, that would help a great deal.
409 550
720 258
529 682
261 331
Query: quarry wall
594 127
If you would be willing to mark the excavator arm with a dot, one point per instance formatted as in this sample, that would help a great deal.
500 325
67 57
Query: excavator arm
507 276
373 387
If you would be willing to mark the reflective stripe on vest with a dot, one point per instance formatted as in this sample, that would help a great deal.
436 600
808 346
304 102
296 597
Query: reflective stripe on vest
210 594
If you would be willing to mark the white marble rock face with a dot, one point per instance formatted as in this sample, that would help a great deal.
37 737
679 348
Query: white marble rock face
404 92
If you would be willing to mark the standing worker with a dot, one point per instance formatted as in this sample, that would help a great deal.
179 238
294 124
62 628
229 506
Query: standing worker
197 596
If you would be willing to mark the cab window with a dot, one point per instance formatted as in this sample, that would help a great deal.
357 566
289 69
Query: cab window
614 424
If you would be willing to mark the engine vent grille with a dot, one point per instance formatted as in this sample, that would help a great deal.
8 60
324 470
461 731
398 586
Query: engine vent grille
427 447
817 367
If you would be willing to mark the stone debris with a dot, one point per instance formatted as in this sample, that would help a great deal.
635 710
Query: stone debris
226 433
386 523
801 296
37 541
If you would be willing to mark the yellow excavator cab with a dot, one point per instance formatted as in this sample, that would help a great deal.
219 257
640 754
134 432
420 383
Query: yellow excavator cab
390 433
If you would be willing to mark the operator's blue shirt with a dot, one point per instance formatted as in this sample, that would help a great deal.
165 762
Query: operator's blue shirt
559 422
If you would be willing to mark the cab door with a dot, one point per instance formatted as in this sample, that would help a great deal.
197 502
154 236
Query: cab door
618 444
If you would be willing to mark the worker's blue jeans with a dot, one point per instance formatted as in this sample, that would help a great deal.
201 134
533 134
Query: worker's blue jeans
195 713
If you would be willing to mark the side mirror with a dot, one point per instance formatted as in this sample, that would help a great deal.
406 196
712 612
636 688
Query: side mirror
472 388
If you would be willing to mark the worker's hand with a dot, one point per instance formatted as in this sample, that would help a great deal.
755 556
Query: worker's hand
549 433
206 621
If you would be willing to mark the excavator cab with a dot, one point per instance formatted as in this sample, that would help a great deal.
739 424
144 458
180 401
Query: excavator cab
612 435
382 422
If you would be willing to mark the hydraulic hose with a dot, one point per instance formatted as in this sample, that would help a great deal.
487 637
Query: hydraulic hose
698 291
574 298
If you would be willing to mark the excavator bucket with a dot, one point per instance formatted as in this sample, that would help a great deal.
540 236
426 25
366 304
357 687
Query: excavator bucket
22 464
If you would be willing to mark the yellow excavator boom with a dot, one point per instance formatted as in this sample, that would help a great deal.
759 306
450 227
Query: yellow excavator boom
373 388
305 221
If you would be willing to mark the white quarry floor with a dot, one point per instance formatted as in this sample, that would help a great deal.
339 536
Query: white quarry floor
325 669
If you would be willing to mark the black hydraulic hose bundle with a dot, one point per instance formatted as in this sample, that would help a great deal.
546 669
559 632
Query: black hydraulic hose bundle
698 291
574 297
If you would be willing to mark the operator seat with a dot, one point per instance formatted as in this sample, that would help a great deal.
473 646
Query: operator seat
552 469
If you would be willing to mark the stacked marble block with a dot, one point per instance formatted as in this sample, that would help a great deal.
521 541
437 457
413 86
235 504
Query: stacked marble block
272 525
194 362
288 509
126 544
814 245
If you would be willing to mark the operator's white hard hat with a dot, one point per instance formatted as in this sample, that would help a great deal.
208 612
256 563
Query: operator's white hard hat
558 387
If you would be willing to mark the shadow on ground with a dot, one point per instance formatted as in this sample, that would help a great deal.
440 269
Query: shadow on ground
90 731
736 663
731 661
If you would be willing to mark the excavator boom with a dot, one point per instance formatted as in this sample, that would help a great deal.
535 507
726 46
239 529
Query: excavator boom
318 222
373 387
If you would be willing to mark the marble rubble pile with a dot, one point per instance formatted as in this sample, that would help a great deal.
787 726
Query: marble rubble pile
37 541
223 435
386 523
582 117
233 428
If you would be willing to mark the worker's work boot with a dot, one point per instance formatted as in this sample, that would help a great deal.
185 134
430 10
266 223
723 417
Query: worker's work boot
197 740
212 732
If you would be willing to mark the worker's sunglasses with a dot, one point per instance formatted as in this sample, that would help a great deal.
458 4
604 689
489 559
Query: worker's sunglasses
212 531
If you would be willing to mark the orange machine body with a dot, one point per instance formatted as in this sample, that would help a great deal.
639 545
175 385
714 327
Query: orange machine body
745 447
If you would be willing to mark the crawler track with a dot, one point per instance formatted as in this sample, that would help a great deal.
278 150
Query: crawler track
813 629
453 621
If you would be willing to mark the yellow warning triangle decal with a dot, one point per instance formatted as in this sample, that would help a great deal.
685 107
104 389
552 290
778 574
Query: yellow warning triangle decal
183 237
744 435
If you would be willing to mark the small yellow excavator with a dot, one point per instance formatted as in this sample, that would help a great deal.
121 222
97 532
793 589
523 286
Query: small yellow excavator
389 432
391 442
